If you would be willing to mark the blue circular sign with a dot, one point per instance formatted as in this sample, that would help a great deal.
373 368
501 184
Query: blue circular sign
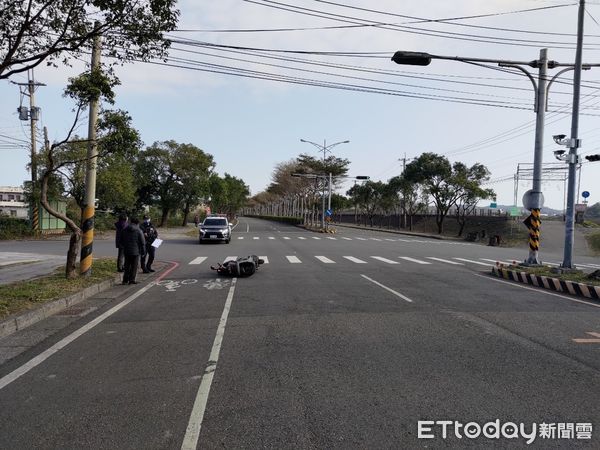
585 194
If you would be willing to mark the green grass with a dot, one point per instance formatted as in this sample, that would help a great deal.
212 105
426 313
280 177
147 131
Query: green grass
594 241
25 295
546 271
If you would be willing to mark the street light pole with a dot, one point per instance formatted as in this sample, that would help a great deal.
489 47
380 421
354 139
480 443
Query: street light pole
574 144
534 197
324 148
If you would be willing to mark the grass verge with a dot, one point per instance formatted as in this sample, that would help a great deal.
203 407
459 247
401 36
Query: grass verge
577 277
594 242
25 295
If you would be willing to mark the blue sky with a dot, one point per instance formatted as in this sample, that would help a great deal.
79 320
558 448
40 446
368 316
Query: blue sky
250 125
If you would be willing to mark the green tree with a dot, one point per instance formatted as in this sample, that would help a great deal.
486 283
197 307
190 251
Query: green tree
372 197
33 32
469 180
227 194
411 200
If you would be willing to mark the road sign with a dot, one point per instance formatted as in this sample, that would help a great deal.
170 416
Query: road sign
585 194
493 205
515 211
328 212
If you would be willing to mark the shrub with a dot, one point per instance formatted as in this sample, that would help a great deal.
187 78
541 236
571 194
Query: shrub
12 228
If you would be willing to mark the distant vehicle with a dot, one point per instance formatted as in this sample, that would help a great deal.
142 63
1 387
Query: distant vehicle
214 228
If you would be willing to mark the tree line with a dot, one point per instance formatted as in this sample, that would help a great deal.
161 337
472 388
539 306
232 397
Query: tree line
430 180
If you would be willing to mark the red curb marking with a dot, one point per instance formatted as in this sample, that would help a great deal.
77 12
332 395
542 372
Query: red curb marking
168 271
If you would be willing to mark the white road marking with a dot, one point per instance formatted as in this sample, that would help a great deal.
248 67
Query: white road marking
355 260
418 261
496 260
265 259
192 432
315 237
472 262
287 238
240 237
230 258
361 239
447 261
247 228
332 238
552 264
325 260
303 238
385 260
406 240
255 237
391 240
376 239
398 294
271 237
293 259
15 374
539 290
198 260
347 238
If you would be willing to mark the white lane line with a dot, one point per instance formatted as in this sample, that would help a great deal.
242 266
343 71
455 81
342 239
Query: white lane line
15 374
287 238
418 261
192 432
406 240
325 260
391 240
271 237
472 262
447 261
240 237
303 238
496 260
332 238
293 259
247 228
361 239
376 239
230 258
265 259
539 290
355 260
347 238
256 237
198 260
317 238
385 260
588 266
398 294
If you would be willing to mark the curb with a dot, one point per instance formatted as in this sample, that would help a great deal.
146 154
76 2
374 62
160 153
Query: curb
23 320
553 284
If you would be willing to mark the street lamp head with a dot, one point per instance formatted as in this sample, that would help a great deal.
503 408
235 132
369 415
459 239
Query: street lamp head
412 58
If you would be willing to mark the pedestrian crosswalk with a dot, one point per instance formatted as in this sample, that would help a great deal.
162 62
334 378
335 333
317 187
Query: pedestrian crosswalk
353 238
431 261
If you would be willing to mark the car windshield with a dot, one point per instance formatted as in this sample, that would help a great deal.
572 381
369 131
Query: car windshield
215 223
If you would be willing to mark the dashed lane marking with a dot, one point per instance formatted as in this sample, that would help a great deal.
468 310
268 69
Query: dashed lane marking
355 260
287 238
198 260
347 238
472 262
293 259
317 238
256 237
325 260
271 237
240 237
303 238
230 258
418 261
265 259
361 239
385 260
447 261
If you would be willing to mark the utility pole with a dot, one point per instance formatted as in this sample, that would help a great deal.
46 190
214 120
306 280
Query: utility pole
403 193
33 116
87 226
574 144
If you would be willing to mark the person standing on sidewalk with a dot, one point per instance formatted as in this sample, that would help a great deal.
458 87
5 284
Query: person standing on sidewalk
134 246
150 234
119 227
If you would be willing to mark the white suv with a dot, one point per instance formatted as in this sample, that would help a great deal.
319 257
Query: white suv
214 228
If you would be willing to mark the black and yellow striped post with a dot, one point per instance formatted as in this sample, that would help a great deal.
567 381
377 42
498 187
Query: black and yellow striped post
87 240
533 223
35 219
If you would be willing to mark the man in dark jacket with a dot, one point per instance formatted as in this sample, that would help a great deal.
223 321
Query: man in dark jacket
150 234
120 226
134 245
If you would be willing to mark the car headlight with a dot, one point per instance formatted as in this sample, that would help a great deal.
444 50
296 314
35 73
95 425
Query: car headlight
225 230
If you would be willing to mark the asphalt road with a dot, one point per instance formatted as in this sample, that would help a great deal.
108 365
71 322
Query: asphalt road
343 341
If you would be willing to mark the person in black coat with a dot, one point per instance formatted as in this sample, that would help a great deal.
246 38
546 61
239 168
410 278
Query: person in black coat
120 226
150 234
134 246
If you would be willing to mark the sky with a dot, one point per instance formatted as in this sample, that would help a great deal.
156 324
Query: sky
467 112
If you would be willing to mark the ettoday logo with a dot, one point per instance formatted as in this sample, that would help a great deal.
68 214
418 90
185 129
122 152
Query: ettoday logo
430 429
